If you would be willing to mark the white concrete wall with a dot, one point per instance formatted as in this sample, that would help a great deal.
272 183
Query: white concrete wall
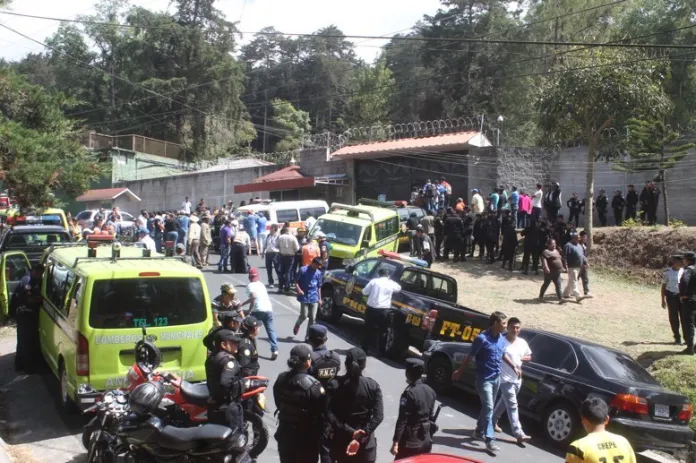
215 187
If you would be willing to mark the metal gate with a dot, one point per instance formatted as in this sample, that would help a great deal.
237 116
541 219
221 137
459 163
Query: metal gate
395 177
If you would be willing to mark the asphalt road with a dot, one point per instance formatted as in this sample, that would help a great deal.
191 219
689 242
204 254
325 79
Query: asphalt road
32 423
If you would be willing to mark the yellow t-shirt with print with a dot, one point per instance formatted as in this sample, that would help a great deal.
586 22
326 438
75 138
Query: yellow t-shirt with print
601 447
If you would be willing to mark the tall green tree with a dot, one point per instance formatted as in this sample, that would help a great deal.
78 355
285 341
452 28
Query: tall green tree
373 91
654 146
581 102
291 124
40 153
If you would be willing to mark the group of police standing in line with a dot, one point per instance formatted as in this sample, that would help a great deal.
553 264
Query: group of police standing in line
321 415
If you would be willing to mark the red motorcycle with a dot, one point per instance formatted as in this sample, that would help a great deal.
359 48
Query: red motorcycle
185 404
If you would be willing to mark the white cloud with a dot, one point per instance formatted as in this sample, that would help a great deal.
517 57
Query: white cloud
359 17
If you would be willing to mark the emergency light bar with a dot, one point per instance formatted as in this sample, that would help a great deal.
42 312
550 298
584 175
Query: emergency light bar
399 257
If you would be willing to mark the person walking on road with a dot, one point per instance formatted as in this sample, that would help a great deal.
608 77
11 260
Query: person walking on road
379 293
687 292
552 264
414 427
669 294
308 287
599 446
261 308
573 261
288 247
487 349
206 240
271 254
194 241
225 246
516 351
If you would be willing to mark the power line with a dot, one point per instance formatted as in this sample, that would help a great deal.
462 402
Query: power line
619 44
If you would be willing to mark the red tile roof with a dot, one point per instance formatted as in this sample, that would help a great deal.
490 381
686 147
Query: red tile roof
393 146
105 194
286 173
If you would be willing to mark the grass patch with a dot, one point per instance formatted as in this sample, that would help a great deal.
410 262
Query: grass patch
678 373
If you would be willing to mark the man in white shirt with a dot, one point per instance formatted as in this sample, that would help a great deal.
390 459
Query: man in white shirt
669 294
379 295
310 221
537 201
146 239
516 351
271 253
261 308
288 247
186 205
477 204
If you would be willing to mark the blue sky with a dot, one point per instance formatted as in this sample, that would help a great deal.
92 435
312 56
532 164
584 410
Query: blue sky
357 17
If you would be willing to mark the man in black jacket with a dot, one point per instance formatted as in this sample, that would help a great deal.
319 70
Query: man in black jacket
601 204
617 204
687 293
575 207
532 237
653 201
454 235
631 203
644 196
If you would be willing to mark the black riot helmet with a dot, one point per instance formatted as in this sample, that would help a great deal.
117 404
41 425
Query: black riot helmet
146 397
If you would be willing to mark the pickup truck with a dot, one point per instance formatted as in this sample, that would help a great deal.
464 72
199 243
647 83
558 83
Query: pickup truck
426 308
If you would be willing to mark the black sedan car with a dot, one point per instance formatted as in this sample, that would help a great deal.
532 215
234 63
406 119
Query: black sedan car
562 373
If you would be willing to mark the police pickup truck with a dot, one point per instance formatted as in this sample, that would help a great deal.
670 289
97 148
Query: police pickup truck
426 307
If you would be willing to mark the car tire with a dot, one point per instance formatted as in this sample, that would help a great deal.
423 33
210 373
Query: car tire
395 346
561 424
328 311
66 402
439 374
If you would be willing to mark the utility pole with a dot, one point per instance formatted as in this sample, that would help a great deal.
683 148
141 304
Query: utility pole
265 119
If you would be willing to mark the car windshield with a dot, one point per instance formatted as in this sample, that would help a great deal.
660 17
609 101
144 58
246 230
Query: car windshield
84 215
30 240
343 233
616 365
137 302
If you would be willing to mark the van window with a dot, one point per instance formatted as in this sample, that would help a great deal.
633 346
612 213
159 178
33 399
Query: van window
339 232
58 283
84 215
137 302
15 267
315 211
387 228
286 215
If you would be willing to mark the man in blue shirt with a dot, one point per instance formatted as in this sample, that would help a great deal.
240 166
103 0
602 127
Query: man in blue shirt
261 223
488 349
308 286
514 204
184 222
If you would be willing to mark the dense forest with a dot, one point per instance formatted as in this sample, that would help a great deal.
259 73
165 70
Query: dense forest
184 76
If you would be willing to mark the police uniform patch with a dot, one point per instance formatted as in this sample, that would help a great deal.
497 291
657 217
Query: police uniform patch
246 352
230 365
321 389
403 402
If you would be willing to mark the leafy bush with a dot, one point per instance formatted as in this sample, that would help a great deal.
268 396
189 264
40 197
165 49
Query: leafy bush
631 223
676 223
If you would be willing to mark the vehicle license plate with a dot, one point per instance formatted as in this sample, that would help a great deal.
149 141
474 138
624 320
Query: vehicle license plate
661 411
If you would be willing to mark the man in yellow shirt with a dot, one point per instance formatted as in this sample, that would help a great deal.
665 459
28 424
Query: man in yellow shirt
600 445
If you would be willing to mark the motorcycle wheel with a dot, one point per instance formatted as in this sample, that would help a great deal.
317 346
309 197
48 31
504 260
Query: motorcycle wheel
89 429
94 450
259 438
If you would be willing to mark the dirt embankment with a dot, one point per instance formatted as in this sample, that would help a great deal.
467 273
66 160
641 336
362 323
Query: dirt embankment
640 253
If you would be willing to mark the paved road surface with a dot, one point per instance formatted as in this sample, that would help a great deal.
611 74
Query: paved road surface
30 419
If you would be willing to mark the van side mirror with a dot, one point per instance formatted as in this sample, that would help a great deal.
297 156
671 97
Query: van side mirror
349 269
365 244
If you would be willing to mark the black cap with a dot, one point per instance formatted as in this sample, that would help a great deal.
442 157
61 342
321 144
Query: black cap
690 255
251 322
227 335
317 331
415 365
301 352
356 354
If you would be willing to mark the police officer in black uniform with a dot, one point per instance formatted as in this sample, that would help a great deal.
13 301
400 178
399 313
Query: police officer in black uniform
225 383
356 411
301 402
687 292
414 426
325 366
25 305
247 353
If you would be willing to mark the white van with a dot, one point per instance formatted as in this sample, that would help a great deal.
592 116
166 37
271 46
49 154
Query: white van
294 212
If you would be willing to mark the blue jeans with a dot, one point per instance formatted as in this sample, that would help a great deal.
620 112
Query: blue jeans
172 236
158 242
182 237
508 400
267 319
272 262
224 258
286 267
487 390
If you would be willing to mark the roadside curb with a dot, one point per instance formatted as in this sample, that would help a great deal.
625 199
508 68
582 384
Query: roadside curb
4 456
